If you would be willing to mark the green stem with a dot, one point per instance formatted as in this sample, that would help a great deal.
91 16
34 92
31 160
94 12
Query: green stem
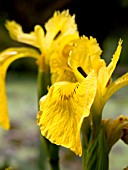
95 156
43 83
86 130
51 151
48 151
96 119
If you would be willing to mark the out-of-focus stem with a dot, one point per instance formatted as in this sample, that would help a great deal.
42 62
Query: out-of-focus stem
48 151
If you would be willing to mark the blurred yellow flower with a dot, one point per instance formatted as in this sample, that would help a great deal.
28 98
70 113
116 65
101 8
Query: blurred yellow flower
57 27
6 58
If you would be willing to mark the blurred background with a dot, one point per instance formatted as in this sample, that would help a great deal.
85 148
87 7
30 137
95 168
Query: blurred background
107 21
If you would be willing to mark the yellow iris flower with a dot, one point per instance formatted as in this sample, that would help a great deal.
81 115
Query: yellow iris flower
65 106
63 109
60 28
86 54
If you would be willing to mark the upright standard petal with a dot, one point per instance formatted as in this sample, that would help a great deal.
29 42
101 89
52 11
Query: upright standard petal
63 109
112 65
106 72
6 58
61 25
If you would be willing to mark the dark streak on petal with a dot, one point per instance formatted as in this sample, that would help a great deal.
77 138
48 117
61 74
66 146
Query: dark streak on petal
82 71
57 35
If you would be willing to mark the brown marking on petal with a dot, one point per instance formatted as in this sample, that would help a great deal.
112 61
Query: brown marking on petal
67 96
108 82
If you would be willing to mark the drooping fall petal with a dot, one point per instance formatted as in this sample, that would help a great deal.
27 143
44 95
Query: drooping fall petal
63 109
4 117
11 54
6 58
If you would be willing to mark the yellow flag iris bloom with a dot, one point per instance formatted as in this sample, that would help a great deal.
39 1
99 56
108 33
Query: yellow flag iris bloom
86 54
63 109
60 28
65 106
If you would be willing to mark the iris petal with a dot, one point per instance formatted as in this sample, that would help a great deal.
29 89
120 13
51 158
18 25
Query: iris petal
60 70
112 65
63 109
62 23
105 73
4 118
6 58
16 33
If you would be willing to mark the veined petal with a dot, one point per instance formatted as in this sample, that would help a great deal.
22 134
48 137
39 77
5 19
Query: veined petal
16 33
6 58
63 109
115 86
